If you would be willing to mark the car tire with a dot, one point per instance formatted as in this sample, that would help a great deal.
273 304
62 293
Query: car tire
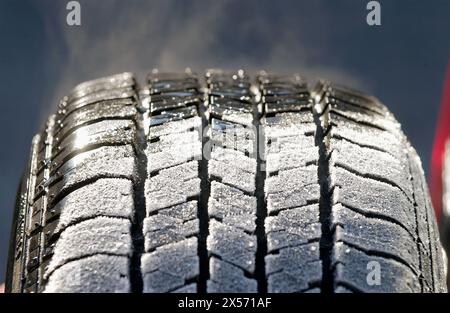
223 184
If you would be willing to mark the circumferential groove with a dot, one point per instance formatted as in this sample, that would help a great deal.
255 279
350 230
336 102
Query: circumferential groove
321 111
205 187
261 205
136 280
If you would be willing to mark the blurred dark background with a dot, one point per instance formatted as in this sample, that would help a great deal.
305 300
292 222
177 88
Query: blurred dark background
402 61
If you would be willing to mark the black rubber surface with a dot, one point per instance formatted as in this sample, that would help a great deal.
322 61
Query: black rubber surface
223 183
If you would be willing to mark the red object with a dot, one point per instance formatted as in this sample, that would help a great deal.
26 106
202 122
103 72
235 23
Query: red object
437 159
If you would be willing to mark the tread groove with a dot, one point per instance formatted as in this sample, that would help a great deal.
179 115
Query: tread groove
326 192
261 205
205 187
137 236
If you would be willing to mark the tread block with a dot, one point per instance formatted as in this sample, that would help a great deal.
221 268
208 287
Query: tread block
383 199
359 99
185 211
293 227
289 144
97 273
372 163
361 117
301 196
288 124
224 277
294 269
232 175
175 127
234 158
172 186
113 109
376 234
292 180
233 136
173 106
172 194
366 136
287 159
173 115
166 142
352 269
287 104
241 118
111 197
169 267
168 86
100 235
182 172
102 132
108 161
232 245
233 129
105 83
101 95
232 207
174 155
160 230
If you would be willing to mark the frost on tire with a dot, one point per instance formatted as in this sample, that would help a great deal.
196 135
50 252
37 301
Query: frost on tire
222 182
